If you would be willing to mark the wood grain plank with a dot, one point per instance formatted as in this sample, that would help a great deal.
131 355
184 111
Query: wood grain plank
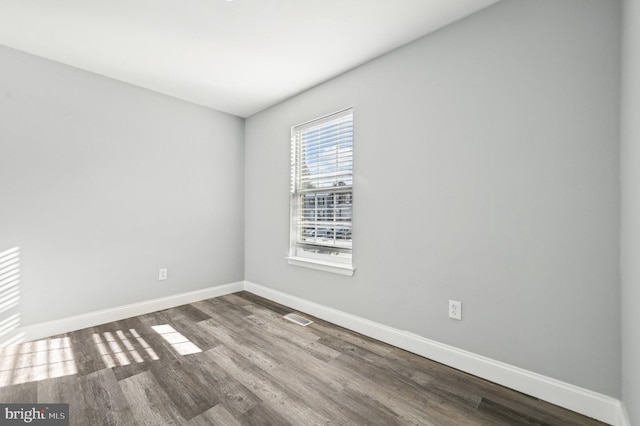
336 401
261 316
329 330
185 391
402 397
240 344
290 405
236 300
85 352
469 388
150 404
26 393
213 379
302 342
260 301
158 345
222 316
227 307
511 412
216 416
65 390
301 372
192 313
104 402
194 333
265 415
324 389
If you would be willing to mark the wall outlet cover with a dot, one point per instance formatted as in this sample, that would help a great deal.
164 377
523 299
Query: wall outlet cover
455 310
162 275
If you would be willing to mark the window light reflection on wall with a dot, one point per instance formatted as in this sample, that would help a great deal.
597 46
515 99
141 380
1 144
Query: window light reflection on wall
9 296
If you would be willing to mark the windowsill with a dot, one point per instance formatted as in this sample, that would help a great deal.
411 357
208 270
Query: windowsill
335 268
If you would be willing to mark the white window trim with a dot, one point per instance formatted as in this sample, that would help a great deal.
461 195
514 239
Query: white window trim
321 262
321 265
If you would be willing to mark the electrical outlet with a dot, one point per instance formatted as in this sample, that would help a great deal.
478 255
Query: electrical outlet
455 310
162 275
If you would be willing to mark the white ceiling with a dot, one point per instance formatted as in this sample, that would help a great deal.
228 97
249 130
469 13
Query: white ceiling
238 57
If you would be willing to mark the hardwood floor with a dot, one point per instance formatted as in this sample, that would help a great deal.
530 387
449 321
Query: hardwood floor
233 360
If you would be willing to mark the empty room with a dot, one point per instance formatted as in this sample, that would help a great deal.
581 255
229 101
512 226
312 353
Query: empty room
293 212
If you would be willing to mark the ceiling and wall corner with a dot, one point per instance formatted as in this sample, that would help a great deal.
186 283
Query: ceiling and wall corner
237 57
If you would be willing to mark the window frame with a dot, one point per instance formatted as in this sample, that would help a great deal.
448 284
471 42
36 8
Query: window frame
338 258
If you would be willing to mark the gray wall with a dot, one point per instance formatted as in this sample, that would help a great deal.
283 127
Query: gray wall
630 235
103 183
486 172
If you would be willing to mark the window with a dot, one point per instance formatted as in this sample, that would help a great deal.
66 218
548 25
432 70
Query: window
322 193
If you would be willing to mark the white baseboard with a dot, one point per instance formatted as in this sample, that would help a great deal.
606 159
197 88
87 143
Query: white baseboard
574 398
78 322
623 417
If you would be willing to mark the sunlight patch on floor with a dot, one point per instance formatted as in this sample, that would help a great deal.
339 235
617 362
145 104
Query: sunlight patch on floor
35 361
181 344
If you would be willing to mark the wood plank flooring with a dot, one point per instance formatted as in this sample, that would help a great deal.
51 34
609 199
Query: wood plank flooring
233 360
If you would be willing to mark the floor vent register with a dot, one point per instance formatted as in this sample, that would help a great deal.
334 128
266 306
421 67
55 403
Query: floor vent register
298 319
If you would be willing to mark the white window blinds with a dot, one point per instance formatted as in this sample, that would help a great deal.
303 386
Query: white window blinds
322 188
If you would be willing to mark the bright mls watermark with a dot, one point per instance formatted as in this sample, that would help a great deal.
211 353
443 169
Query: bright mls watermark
34 414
